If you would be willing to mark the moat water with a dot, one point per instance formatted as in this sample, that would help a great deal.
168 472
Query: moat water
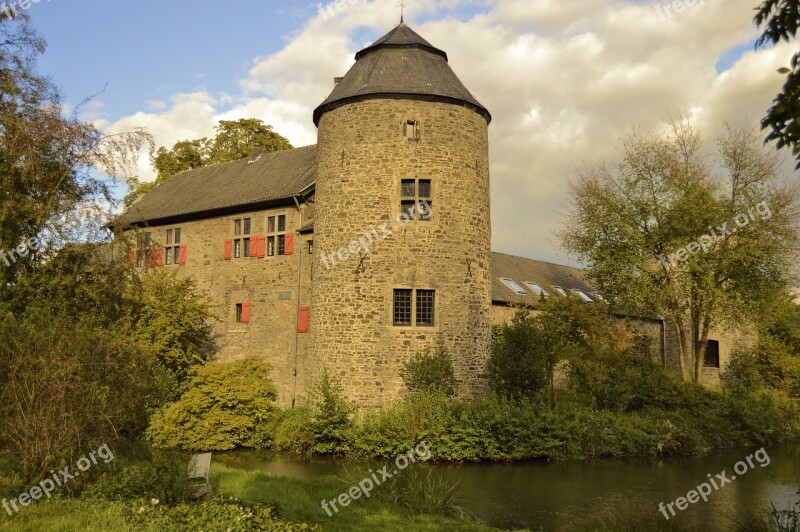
548 495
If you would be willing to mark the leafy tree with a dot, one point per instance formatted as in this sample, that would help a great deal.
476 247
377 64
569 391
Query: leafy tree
67 388
780 20
220 410
517 366
430 371
50 162
166 314
235 139
672 231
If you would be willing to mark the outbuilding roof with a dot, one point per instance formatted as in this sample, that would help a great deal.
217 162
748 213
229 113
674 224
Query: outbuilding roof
255 180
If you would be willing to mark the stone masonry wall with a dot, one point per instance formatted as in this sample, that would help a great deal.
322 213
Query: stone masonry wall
362 156
270 284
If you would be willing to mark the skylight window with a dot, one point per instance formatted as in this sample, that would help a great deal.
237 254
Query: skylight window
515 287
538 289
560 291
582 295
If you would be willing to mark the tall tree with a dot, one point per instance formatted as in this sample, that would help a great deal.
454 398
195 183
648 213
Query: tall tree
780 20
53 169
234 140
703 239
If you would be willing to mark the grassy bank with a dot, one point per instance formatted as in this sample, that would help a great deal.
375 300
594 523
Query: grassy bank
263 502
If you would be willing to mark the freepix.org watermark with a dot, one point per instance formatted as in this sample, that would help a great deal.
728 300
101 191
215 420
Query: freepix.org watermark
369 483
12 8
48 485
9 257
376 233
707 242
665 10
330 10
703 490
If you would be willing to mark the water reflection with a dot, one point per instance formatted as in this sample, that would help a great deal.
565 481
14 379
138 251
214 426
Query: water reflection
550 495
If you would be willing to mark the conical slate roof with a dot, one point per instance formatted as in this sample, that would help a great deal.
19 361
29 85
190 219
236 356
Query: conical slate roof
401 64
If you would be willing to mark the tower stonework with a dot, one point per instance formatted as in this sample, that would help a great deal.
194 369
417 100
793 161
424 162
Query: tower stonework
400 114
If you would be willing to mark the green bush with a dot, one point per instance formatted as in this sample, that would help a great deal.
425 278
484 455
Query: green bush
330 417
287 430
430 370
163 478
221 410
227 514
67 387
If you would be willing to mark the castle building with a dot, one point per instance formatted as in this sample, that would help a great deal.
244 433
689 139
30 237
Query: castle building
352 255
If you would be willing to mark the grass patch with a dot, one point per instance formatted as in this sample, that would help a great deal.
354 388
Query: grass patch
299 500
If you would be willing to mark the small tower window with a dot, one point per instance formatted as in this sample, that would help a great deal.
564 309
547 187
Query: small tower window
416 199
412 130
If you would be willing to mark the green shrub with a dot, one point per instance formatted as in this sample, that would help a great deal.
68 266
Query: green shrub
330 417
430 370
67 388
287 430
227 514
221 410
163 478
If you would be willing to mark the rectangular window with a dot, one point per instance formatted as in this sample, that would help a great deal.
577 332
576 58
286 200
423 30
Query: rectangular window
169 236
560 290
281 223
402 307
237 249
421 206
247 226
711 359
177 255
408 188
271 224
246 247
177 236
425 188
412 129
281 244
425 307
239 309
271 246
168 257
237 227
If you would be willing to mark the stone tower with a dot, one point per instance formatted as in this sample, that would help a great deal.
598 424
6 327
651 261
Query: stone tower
402 228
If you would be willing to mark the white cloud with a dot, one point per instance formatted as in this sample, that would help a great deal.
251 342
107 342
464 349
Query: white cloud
564 80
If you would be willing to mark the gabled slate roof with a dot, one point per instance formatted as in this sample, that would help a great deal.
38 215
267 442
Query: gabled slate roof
259 179
545 274
401 64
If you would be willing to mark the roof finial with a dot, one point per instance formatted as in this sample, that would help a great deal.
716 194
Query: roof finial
402 5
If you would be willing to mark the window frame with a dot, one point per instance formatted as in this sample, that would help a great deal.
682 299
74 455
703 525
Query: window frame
414 309
514 286
409 203
715 362
536 288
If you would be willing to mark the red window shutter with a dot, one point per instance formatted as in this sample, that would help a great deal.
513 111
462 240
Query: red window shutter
302 320
288 245
246 312
228 249
262 246
156 256
182 255
131 258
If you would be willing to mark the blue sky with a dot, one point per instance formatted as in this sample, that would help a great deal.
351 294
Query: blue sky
149 50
